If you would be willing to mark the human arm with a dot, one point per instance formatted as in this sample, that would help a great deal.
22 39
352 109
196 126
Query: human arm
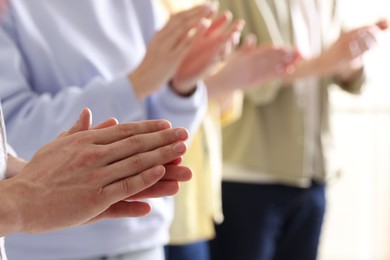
167 49
251 66
37 88
85 176
343 60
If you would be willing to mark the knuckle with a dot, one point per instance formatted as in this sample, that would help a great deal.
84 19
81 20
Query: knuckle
128 187
126 129
135 163
136 142
167 137
89 156
166 154
145 180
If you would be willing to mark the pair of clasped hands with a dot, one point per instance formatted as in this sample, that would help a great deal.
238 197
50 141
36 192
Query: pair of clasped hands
192 42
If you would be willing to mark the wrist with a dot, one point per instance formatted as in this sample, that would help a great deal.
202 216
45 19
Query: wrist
216 88
140 83
183 91
14 166
350 71
11 219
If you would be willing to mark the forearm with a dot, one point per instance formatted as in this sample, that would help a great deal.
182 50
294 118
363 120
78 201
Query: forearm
319 67
43 116
181 111
10 216
216 89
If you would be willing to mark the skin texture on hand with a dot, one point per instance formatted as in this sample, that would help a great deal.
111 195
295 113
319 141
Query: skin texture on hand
88 174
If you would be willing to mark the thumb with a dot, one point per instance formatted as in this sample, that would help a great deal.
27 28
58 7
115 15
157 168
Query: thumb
83 123
382 24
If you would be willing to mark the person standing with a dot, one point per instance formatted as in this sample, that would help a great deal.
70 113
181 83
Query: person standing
278 155
198 204
119 59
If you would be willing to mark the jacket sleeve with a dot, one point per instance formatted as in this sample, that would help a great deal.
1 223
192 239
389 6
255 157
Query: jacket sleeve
264 94
353 85
33 118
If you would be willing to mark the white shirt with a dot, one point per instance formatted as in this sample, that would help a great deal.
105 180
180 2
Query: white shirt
3 167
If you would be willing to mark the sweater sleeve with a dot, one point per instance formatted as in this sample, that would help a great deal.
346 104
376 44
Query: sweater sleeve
34 118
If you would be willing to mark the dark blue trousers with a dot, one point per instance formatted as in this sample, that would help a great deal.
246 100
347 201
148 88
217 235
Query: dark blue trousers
193 251
269 222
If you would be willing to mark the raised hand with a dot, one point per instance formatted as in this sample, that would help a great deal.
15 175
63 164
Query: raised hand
168 47
344 57
206 52
251 66
85 175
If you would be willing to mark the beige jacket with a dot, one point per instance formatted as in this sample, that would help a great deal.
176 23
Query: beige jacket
269 137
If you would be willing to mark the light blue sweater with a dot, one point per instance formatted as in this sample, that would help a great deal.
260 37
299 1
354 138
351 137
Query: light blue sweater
58 56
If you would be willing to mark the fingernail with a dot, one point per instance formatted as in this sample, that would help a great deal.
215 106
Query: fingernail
229 15
236 38
181 133
179 147
211 8
164 125
241 25
158 170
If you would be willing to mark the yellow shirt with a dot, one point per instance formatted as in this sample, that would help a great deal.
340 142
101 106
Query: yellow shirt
198 203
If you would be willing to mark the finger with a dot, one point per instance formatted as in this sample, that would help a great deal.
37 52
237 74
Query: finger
180 24
167 186
128 186
223 38
204 10
177 161
249 43
354 49
274 61
184 44
83 123
177 173
367 42
219 23
123 209
109 122
231 45
141 162
141 143
237 26
383 24
121 131
158 190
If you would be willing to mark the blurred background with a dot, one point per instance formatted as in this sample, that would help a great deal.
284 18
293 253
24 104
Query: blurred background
357 224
